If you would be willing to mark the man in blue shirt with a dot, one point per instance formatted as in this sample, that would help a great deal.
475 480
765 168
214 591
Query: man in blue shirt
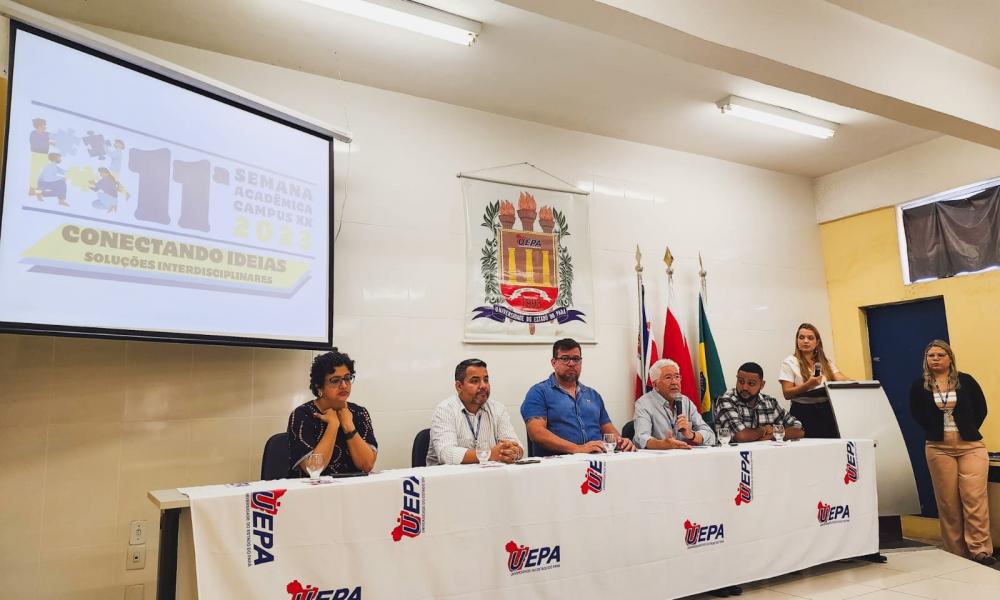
563 416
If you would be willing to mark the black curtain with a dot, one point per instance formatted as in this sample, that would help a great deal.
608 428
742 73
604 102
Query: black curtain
945 238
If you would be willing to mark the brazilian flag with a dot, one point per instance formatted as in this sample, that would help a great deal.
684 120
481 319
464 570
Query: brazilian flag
712 383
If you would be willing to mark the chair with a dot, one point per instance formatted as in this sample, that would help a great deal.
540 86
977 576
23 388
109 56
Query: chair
421 443
274 465
532 449
628 431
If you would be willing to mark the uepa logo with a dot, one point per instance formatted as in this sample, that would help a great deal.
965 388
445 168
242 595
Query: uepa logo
696 535
594 479
410 522
310 592
522 559
261 510
851 476
744 493
831 515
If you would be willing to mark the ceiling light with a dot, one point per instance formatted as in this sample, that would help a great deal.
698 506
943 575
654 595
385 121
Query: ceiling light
776 116
413 16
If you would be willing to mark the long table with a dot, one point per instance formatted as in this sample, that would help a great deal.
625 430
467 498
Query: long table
652 524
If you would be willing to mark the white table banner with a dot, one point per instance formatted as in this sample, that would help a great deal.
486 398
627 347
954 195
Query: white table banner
651 525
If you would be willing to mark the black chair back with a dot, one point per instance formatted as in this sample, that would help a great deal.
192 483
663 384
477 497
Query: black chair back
421 442
275 465
629 430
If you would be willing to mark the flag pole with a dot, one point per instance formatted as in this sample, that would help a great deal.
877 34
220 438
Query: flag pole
640 355
702 273
668 259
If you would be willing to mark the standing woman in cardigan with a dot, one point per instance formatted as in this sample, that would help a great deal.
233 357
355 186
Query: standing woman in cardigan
802 376
950 407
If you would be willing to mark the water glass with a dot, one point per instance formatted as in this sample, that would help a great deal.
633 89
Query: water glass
483 451
724 435
315 463
779 432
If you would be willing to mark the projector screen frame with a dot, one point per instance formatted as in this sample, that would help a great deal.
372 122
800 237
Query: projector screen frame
184 81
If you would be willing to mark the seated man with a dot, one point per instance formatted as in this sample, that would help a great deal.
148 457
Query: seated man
748 413
467 417
563 416
659 425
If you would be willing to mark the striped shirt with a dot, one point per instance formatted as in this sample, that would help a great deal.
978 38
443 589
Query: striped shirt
453 428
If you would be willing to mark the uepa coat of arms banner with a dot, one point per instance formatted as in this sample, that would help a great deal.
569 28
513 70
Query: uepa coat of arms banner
528 261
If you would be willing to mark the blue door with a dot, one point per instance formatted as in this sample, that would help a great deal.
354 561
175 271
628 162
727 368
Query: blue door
897 335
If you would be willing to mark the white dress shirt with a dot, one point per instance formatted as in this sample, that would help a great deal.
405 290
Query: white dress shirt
452 434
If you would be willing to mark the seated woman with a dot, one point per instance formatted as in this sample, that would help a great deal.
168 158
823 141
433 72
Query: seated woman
329 425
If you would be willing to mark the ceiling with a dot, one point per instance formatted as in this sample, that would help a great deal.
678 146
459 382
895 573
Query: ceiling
533 67
968 27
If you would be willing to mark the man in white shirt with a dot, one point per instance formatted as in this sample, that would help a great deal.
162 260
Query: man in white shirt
659 425
467 418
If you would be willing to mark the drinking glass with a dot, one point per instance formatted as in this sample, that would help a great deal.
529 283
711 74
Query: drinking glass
483 452
315 463
609 443
779 432
724 435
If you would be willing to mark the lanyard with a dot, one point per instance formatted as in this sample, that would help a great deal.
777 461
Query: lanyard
479 423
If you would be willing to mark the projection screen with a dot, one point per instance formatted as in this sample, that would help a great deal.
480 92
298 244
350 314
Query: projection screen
137 205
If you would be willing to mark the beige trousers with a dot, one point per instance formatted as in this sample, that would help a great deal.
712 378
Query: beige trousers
959 472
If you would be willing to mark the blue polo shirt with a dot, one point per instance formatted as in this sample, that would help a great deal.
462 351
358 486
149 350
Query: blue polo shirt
576 420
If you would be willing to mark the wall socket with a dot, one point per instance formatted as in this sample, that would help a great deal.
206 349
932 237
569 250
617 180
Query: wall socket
136 557
135 592
137 532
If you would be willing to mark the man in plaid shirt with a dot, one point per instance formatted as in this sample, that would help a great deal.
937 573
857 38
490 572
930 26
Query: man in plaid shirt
748 413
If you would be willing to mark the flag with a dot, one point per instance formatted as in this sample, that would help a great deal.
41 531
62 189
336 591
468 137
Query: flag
675 347
713 383
645 348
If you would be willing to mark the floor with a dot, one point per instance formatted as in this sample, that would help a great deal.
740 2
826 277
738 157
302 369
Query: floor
910 573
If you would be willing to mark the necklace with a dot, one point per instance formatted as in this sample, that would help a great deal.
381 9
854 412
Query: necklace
941 399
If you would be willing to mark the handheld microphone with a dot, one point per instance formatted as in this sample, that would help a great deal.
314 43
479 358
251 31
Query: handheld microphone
677 407
817 369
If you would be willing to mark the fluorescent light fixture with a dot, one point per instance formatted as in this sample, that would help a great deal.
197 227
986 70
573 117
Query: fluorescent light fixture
776 116
412 16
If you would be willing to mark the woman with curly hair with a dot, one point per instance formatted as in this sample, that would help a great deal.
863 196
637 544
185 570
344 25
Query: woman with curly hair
338 430
950 407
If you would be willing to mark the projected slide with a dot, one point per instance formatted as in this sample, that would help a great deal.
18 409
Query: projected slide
134 204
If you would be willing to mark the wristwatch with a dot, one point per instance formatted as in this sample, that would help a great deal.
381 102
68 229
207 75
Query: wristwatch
349 434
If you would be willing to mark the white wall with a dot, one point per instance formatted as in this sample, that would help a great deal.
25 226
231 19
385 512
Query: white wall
110 420
400 257
917 172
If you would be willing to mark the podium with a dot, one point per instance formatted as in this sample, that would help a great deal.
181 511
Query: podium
862 410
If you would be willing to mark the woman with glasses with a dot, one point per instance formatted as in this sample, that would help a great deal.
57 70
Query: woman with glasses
330 426
950 407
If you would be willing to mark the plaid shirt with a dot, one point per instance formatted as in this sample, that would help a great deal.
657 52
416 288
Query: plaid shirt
733 412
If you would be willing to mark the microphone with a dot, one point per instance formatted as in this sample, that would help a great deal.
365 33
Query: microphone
677 407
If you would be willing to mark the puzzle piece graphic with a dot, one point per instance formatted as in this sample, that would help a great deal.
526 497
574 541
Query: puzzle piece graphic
66 142
95 145
80 177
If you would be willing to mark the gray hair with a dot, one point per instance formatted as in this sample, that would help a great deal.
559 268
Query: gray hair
657 368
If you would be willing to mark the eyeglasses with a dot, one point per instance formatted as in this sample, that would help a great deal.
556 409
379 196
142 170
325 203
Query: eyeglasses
570 360
339 381
674 377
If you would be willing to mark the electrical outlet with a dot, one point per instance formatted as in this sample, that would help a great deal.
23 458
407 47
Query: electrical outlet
135 592
136 557
137 532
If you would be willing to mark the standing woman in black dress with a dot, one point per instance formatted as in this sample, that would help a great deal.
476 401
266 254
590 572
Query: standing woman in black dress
950 407
808 369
